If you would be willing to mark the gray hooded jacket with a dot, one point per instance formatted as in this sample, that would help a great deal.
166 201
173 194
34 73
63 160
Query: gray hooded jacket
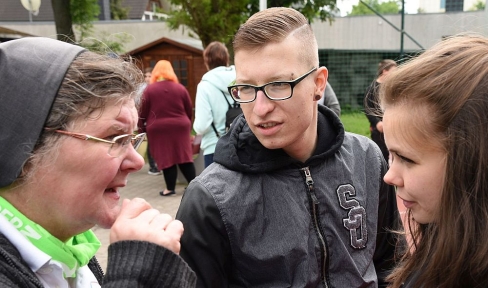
259 218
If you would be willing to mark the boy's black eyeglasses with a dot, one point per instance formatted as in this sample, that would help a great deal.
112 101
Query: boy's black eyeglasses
276 90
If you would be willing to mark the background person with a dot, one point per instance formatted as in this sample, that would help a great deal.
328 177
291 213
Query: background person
435 127
153 168
210 105
165 115
329 99
292 200
371 105
67 149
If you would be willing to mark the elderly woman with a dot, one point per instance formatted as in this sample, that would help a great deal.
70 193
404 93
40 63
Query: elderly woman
66 149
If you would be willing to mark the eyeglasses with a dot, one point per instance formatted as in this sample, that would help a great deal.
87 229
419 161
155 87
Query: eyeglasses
276 90
117 145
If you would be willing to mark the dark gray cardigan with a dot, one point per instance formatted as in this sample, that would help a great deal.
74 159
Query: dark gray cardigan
130 264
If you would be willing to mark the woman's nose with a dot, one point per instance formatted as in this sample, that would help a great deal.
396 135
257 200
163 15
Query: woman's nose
133 161
392 177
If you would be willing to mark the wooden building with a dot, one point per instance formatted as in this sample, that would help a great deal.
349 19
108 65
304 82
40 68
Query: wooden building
185 56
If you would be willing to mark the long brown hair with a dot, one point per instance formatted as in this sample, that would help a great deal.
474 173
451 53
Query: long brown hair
451 81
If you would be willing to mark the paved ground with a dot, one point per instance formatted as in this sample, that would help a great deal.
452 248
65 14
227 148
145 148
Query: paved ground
145 186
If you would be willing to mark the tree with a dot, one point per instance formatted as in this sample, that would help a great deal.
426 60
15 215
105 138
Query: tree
218 20
63 21
81 14
390 7
74 12
117 11
479 5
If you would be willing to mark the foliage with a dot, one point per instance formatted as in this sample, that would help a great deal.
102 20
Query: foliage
117 11
318 9
83 13
218 20
390 7
478 6
211 20
106 43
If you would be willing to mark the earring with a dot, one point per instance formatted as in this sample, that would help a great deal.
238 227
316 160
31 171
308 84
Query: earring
317 97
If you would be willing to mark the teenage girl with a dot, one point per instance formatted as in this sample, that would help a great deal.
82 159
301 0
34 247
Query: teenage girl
436 129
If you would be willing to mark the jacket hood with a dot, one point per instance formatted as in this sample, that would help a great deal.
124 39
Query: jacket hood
239 149
221 77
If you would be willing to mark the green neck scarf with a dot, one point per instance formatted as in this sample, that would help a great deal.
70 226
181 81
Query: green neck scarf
74 253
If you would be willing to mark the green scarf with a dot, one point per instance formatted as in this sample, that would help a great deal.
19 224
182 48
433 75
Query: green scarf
74 253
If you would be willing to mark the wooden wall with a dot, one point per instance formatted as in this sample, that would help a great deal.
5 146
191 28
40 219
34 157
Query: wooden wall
187 63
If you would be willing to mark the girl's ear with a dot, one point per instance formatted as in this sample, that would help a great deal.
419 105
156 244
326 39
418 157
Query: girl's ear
321 81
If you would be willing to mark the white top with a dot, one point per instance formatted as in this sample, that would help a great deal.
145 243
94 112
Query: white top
49 272
210 105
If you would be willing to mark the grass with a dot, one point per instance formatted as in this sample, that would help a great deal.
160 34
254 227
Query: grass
356 122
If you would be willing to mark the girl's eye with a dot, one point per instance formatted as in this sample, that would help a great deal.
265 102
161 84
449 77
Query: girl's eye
402 159
405 159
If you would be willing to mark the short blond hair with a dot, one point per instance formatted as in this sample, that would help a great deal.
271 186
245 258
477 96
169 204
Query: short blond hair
274 25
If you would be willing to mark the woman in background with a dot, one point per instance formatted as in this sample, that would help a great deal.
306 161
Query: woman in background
371 107
165 116
210 106
153 168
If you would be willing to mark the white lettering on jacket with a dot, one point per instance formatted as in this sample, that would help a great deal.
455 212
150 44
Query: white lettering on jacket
356 222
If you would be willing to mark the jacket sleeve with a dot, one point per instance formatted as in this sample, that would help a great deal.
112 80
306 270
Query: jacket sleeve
330 100
145 264
386 238
204 245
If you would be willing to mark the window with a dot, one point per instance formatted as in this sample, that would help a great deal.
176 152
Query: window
181 70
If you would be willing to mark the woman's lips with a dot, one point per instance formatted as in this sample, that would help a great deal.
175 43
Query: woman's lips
408 204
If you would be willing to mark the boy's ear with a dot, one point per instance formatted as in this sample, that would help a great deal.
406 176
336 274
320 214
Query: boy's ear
321 80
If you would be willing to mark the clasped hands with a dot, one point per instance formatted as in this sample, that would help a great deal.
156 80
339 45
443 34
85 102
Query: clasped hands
139 221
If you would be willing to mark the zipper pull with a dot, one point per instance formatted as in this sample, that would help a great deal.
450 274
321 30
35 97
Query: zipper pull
309 182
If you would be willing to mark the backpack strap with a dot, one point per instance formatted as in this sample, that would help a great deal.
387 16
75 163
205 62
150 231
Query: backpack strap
225 97
215 130
228 104
213 125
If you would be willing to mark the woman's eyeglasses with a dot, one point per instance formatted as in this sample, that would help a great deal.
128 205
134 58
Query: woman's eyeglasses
117 145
